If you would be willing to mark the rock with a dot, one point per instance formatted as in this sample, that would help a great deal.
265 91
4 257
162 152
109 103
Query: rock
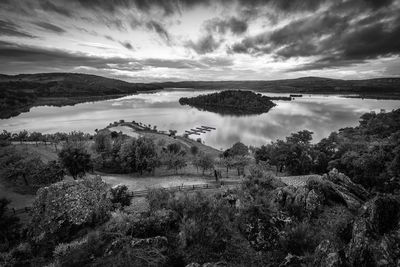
342 180
208 264
376 234
301 196
327 255
159 242
338 188
314 201
293 261
63 208
282 197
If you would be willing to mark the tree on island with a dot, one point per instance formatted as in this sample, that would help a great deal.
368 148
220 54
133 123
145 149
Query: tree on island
231 102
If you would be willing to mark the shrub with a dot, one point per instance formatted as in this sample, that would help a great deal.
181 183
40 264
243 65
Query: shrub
61 210
9 226
300 239
120 196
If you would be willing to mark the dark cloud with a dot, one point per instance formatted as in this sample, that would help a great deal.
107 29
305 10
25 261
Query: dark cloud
127 45
232 24
204 45
59 9
17 58
358 33
159 29
50 27
8 28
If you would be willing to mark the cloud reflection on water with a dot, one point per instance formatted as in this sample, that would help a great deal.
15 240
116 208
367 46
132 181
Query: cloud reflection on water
319 114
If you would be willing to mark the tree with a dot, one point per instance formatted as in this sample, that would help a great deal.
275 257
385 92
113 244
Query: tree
5 138
127 155
204 161
22 136
194 150
226 162
174 161
239 149
240 162
102 141
146 155
36 137
174 157
76 160
9 226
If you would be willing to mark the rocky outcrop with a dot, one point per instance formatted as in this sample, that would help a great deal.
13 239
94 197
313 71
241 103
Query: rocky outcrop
293 261
331 189
314 201
64 208
376 234
159 242
327 255
208 264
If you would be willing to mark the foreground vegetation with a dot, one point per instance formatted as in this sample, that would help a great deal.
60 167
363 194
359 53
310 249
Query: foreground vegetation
348 216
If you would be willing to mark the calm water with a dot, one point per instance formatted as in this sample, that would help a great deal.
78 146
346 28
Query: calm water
320 114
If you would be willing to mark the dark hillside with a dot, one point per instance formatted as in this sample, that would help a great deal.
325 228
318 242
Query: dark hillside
20 92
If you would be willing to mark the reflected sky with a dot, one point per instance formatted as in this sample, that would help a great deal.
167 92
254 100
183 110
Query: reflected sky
320 114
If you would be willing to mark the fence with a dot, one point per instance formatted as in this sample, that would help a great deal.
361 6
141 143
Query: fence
143 193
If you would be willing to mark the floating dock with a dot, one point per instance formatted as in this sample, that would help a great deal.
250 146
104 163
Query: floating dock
200 129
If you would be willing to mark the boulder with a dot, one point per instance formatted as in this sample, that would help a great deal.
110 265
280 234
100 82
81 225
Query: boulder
159 242
62 209
301 196
327 255
314 201
339 189
345 182
376 234
208 264
293 261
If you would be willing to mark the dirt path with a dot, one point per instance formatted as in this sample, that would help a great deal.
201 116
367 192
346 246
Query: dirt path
142 183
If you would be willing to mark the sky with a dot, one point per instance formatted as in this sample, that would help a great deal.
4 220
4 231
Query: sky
160 40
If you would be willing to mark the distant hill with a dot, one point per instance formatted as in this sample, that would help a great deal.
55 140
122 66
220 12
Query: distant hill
18 93
374 88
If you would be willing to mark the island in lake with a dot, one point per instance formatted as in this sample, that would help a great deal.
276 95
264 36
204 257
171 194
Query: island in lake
232 102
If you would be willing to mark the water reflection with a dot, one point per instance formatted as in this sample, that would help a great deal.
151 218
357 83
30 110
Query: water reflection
317 113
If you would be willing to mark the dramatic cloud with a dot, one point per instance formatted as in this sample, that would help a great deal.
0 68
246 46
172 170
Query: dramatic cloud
50 27
232 24
127 45
159 29
202 39
204 45
10 29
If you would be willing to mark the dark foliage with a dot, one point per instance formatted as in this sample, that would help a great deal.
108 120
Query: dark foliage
76 160
231 102
9 226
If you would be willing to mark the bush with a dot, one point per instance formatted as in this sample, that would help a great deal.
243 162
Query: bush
120 196
9 226
62 210
300 239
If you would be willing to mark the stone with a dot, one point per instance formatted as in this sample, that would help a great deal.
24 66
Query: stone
293 261
376 233
301 196
327 255
65 207
314 201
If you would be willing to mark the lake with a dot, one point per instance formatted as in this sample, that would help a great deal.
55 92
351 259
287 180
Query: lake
320 114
